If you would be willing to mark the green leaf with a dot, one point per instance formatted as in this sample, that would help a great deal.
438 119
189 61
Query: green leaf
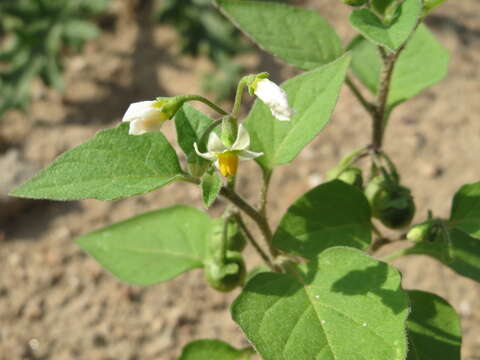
111 165
465 213
462 254
366 62
433 328
190 124
211 185
313 96
422 63
213 350
331 214
393 35
461 251
300 37
152 247
347 306
80 30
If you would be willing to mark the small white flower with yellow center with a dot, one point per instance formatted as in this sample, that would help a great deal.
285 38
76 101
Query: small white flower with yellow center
147 116
226 158
274 97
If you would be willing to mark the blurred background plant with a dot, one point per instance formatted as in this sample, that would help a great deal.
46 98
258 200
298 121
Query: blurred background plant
203 31
34 37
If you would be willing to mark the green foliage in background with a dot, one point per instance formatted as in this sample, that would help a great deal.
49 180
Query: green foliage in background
203 31
35 35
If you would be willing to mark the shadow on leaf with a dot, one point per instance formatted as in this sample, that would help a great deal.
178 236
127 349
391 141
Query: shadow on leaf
370 280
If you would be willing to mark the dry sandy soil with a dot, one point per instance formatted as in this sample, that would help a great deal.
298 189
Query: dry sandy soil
57 303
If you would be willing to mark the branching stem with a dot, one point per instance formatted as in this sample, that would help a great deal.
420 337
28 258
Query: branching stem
358 94
251 238
253 214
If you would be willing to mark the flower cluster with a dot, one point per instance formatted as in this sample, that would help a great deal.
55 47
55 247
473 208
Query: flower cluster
147 116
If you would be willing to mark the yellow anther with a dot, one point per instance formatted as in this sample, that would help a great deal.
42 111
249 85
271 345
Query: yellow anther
228 163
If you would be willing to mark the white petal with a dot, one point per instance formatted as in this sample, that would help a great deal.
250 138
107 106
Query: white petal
242 142
282 114
248 155
275 98
215 145
137 110
206 155
136 128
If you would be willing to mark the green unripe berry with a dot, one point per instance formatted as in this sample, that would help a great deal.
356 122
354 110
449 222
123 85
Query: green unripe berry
228 275
235 239
391 203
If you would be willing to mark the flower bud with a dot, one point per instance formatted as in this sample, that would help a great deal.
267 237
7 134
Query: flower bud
229 131
271 95
149 116
425 231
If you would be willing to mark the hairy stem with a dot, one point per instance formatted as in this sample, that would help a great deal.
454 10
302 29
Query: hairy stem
262 209
379 116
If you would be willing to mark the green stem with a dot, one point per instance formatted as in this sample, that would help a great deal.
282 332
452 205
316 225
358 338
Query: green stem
266 176
249 210
189 178
205 101
252 241
379 116
253 214
358 94
396 254
238 98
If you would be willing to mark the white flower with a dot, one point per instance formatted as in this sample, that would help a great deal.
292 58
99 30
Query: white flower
145 116
275 98
226 158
